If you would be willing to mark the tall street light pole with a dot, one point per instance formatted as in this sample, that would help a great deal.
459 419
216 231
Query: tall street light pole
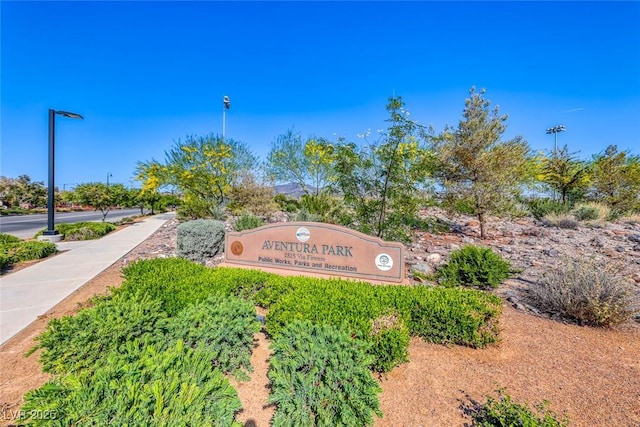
50 231
226 105
555 130
108 175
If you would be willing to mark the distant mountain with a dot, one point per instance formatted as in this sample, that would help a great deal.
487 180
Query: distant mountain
291 189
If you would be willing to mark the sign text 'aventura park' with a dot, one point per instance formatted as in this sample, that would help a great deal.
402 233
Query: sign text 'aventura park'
318 248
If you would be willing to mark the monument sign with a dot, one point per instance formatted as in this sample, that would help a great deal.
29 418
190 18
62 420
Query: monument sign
317 248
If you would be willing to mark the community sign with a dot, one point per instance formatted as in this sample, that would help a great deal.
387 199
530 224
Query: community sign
317 248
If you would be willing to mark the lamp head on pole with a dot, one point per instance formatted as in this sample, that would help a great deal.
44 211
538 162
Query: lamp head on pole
227 102
69 114
556 129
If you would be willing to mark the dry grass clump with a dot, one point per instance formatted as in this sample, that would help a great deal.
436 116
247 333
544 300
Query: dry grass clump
631 219
585 291
560 220
592 213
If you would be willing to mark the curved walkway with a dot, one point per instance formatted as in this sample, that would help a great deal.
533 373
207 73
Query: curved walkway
32 291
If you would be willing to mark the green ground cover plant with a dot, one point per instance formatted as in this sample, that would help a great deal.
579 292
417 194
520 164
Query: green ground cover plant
136 387
82 230
502 411
222 325
14 250
165 303
80 342
319 377
474 266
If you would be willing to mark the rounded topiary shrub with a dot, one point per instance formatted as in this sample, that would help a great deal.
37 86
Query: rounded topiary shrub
474 266
200 239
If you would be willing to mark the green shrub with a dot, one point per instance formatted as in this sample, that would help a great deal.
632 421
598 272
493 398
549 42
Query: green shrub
200 239
586 292
177 387
541 207
442 315
177 283
319 377
474 266
76 343
248 222
389 338
24 250
224 326
592 212
305 216
455 316
430 225
82 230
6 239
503 412
286 204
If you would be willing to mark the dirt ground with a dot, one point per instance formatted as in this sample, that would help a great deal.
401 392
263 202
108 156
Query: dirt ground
592 375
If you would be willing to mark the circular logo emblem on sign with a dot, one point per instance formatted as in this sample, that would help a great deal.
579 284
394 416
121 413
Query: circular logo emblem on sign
384 262
303 234
236 248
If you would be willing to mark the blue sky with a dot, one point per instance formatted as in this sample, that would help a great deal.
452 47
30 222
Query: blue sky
145 74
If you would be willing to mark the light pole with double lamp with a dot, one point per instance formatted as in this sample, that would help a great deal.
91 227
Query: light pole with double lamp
50 231
555 130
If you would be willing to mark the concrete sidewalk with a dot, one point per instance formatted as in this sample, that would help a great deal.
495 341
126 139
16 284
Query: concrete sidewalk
32 291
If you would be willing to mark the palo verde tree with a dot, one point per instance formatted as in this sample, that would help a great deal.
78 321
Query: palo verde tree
151 175
564 173
381 182
101 197
476 167
203 169
615 179
308 163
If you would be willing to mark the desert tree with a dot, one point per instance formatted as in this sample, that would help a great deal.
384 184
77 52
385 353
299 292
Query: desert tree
564 173
22 190
476 167
381 182
308 163
100 196
615 179
202 169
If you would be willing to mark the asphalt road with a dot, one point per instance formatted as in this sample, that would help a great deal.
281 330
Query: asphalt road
26 226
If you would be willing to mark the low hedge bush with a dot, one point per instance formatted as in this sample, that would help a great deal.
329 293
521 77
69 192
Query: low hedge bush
14 250
383 316
442 315
178 283
6 239
319 377
82 230
474 266
138 387
200 239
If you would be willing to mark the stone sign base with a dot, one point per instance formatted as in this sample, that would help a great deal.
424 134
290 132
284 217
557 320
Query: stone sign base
316 249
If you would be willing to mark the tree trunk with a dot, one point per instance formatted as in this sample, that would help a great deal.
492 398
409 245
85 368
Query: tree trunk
483 231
